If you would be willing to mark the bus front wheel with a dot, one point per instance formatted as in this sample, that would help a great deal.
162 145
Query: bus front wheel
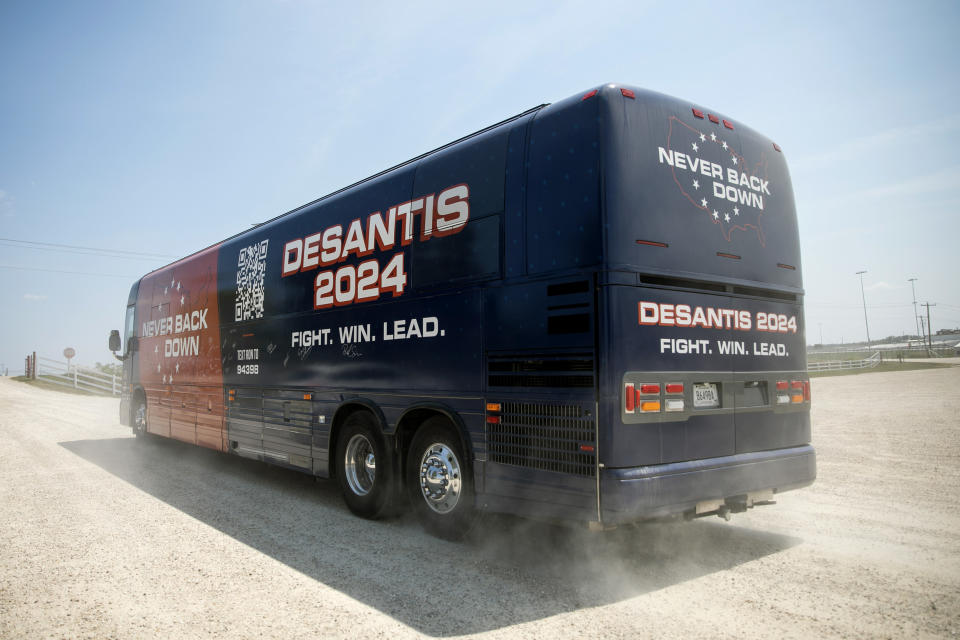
439 483
365 469
140 416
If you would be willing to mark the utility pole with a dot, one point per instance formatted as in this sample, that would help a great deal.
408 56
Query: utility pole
929 326
912 289
864 298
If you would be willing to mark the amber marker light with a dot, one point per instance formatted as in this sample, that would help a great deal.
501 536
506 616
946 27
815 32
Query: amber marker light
493 406
649 406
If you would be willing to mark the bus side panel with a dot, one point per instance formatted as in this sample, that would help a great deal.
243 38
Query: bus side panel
179 350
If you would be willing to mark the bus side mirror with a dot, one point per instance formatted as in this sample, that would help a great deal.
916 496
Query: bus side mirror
114 341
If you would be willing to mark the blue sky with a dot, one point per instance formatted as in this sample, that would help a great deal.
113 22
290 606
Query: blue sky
161 128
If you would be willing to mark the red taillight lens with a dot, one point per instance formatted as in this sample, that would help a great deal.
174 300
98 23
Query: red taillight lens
674 387
649 388
627 93
796 384
629 398
806 390
781 385
493 419
589 95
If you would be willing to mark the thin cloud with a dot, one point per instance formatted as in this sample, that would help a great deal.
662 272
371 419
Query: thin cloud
34 296
888 139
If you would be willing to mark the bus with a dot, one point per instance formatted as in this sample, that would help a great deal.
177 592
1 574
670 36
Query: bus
590 312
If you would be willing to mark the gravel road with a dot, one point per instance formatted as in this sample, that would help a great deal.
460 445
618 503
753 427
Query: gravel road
105 536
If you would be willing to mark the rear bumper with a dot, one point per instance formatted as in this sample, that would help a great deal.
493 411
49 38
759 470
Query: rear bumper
631 494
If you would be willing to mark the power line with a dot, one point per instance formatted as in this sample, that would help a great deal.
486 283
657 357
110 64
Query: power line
117 252
78 273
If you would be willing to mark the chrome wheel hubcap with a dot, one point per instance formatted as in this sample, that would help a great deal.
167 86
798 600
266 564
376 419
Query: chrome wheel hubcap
440 480
360 465
140 419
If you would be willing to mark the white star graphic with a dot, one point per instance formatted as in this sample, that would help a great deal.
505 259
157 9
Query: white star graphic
703 202
171 379
736 211
724 145
178 286
164 291
181 299
713 137
734 158
173 282
695 147
158 368
164 379
156 348
726 217
716 216
178 368
696 184
703 138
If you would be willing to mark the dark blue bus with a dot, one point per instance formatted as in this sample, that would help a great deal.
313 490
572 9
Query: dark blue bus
591 312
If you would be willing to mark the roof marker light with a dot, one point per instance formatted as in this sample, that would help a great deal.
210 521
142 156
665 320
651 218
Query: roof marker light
588 95
776 146
714 119
728 125
627 93
697 113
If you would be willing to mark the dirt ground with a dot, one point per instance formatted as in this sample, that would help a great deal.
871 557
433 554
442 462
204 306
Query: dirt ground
104 536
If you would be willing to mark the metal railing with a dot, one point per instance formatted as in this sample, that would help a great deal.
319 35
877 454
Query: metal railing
833 365
75 376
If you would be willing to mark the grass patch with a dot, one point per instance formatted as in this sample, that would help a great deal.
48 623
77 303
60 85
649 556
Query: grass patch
885 366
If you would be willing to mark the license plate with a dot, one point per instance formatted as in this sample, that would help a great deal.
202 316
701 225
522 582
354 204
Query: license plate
705 395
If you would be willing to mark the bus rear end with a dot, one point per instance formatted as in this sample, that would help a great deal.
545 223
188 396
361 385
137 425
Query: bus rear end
704 395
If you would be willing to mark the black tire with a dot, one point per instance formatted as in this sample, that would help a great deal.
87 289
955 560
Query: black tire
365 468
138 416
440 481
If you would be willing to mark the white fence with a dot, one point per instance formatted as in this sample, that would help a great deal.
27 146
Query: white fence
77 377
832 365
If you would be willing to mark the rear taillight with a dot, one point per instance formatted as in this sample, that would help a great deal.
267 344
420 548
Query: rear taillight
629 398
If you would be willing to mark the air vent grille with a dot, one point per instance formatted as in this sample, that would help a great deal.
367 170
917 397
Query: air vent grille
548 437
569 370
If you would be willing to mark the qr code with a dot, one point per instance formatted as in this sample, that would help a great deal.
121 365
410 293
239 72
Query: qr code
251 269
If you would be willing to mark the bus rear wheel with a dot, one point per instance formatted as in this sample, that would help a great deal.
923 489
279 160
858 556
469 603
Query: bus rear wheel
439 483
365 469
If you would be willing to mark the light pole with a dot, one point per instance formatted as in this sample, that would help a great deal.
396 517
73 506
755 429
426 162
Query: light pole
864 298
916 318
